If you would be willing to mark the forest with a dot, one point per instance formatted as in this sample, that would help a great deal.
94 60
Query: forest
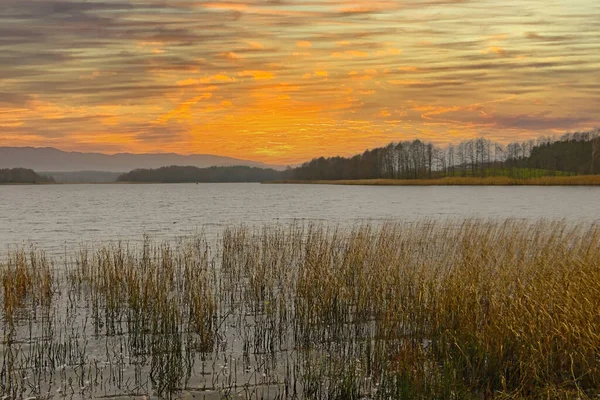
571 154
178 174
22 175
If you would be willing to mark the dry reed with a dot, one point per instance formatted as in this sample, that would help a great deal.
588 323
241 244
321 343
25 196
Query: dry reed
471 309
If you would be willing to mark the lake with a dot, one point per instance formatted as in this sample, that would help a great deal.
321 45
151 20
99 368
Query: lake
284 313
60 217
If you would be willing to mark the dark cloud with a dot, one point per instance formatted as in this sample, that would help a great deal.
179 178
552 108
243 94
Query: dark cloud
8 99
544 121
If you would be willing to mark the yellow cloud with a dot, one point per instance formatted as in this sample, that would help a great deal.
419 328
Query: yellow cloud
349 54
355 76
187 82
388 52
255 45
494 50
221 106
384 113
10 124
182 111
230 55
368 7
305 44
406 82
500 37
257 75
221 77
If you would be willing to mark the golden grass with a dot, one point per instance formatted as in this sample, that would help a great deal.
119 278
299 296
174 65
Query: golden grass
26 282
580 180
435 310
461 310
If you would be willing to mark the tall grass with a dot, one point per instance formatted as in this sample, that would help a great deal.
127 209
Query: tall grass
26 283
435 309
469 309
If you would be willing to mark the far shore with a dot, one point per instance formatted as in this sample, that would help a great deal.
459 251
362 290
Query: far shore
27 183
581 180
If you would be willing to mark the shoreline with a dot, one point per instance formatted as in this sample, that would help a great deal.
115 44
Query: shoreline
581 180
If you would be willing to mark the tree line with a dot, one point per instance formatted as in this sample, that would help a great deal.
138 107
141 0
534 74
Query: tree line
570 154
22 175
179 174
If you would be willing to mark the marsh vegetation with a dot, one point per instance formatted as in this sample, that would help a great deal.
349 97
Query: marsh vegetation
448 310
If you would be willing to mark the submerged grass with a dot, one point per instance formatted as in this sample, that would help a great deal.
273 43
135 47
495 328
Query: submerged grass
447 310
576 180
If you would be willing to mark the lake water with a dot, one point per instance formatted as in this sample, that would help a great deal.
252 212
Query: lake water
83 344
61 217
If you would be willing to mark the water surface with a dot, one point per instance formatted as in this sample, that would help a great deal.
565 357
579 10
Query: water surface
60 217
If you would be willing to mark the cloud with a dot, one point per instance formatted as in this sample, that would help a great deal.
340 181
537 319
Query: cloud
544 122
183 110
387 52
231 56
495 50
257 75
384 113
217 78
349 54
80 74
255 45
225 6
305 44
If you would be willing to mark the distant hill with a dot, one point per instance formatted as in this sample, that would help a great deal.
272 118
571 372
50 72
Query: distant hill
51 159
22 175
178 174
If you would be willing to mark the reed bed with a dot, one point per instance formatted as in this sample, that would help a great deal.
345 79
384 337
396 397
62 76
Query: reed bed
448 310
575 180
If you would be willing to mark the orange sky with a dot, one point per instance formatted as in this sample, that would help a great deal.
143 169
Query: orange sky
282 81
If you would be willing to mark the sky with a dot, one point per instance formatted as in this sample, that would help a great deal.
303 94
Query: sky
283 81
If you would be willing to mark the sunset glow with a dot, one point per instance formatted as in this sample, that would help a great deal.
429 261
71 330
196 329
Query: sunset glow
283 81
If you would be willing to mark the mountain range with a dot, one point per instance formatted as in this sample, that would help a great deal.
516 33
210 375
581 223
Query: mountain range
48 159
